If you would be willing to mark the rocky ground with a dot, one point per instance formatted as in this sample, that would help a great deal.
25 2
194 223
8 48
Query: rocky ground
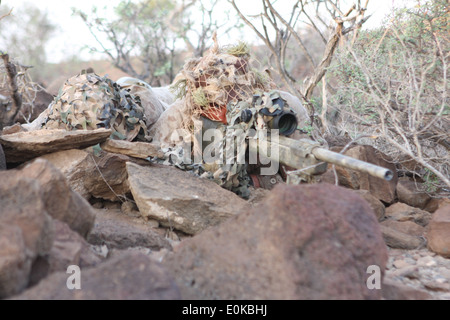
143 231
424 272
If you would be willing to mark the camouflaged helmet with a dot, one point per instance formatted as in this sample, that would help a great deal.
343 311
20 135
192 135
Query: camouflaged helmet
88 101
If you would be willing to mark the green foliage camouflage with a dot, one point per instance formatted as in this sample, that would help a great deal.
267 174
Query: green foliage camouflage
88 102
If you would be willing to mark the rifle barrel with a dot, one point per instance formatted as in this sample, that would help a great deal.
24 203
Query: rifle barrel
351 163
304 153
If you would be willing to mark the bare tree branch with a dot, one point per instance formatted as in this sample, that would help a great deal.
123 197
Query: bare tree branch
6 14
344 22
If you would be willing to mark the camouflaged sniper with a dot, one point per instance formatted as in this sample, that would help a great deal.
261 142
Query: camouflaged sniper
88 101
215 89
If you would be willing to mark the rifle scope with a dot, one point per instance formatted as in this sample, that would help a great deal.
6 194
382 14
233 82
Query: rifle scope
286 122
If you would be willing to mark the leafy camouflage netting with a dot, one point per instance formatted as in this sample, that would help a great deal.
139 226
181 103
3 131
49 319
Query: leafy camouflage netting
88 101
215 89
223 75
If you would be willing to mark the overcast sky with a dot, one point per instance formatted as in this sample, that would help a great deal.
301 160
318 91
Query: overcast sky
72 34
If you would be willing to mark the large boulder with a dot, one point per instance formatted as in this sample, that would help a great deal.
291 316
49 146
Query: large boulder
130 276
438 233
179 199
25 230
301 242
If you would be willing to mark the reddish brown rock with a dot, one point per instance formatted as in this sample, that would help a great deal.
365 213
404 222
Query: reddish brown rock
15 263
402 212
408 227
74 165
107 177
301 242
101 175
117 230
12 129
410 192
141 150
374 203
438 232
392 290
180 200
399 240
23 146
68 248
61 202
130 276
436 203
25 230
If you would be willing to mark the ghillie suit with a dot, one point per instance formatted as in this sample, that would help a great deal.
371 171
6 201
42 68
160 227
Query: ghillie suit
88 101
212 92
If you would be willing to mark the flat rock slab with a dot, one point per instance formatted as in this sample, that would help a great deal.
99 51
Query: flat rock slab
179 199
22 146
408 227
402 212
141 150
397 239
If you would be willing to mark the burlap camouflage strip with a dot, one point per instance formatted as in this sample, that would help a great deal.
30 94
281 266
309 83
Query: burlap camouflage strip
88 101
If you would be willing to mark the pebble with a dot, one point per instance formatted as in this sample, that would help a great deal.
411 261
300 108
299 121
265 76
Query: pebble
426 261
399 264
420 269
445 272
